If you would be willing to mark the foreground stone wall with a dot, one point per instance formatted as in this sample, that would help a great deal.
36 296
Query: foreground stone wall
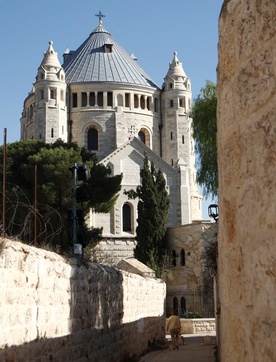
198 326
247 182
53 309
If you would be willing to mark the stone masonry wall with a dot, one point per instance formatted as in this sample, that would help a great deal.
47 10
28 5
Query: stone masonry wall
247 183
52 309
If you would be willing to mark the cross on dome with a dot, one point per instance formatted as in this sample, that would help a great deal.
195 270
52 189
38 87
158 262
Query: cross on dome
100 16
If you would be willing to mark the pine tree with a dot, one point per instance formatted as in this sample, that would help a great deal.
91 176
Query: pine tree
152 219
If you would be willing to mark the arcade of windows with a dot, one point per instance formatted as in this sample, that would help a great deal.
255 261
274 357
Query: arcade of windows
102 99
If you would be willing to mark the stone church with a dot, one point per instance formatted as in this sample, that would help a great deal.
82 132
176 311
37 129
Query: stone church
101 99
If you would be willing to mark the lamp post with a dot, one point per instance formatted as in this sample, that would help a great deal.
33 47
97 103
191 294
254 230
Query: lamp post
213 211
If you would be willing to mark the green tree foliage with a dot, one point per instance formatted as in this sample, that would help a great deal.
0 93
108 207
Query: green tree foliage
205 131
152 219
54 189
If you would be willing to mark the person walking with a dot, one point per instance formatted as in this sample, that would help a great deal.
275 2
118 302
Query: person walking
174 328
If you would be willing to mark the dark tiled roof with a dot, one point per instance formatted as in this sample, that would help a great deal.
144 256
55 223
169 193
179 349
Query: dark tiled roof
90 62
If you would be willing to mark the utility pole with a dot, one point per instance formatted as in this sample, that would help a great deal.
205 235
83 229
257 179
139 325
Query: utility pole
4 183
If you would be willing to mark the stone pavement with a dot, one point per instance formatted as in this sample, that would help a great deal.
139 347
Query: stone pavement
194 349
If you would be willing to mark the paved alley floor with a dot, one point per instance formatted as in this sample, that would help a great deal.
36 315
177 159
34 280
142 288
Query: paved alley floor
193 350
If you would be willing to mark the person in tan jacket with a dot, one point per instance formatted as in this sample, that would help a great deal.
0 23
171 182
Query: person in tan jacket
174 328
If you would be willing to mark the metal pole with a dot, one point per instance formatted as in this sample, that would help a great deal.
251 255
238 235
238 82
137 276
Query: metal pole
4 182
35 205
74 207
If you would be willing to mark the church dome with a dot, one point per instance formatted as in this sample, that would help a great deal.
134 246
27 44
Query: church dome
101 59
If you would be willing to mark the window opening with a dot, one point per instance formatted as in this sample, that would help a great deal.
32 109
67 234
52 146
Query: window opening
182 257
110 99
92 139
142 137
126 217
173 258
127 100
75 100
100 99
84 99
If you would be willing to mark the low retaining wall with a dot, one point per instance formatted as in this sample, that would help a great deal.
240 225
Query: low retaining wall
198 326
53 309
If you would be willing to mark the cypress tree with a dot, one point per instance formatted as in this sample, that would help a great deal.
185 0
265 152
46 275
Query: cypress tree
152 219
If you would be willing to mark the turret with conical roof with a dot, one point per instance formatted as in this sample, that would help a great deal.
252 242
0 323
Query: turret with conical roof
45 113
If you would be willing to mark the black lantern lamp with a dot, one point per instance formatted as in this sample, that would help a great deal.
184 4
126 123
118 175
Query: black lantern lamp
213 211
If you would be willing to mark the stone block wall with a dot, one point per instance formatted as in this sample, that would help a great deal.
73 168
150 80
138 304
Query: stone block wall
247 184
198 326
64 310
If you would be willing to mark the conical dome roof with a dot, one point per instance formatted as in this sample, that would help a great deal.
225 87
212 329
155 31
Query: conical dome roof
101 59
50 58
176 69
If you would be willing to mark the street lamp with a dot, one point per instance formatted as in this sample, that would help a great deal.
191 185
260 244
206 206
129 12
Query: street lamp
213 211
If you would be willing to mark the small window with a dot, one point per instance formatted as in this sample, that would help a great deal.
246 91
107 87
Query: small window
52 132
52 94
127 100
126 217
171 136
75 100
100 99
183 139
142 102
108 48
170 85
110 99
171 103
173 258
181 103
62 95
182 257
183 305
136 101
142 137
41 94
92 139
172 161
149 103
175 304
92 99
84 99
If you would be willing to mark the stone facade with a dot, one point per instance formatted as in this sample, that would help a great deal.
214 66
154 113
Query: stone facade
54 309
247 183
91 96
191 288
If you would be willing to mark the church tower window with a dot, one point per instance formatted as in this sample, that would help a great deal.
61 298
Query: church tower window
84 99
92 99
183 139
136 101
126 217
52 132
142 137
171 103
52 93
74 100
127 100
41 94
92 139
62 95
110 99
142 100
100 99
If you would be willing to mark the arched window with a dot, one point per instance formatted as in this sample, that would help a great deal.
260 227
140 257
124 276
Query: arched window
182 257
126 217
175 304
173 258
142 136
183 305
92 139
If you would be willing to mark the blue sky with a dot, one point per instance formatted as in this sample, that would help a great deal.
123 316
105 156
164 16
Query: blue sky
151 29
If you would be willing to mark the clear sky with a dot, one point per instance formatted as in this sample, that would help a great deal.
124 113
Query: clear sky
150 29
